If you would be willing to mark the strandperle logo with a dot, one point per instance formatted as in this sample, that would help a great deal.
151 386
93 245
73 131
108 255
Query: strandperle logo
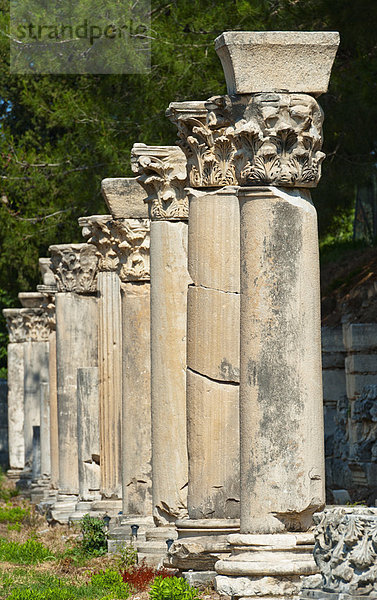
81 37
84 31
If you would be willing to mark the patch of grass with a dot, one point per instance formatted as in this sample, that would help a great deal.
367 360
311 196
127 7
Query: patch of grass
12 514
30 552
7 492
107 585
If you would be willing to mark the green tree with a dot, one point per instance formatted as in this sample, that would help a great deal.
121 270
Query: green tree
61 134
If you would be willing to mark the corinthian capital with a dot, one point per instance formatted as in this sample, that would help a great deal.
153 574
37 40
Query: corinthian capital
267 138
75 267
162 173
27 324
122 246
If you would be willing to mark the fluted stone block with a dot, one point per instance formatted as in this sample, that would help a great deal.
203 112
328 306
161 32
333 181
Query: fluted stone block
88 432
212 426
136 415
110 369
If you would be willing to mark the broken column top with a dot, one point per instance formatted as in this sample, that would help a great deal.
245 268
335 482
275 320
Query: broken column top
268 61
124 197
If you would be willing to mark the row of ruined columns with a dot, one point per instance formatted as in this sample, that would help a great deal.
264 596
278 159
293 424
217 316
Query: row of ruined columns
181 348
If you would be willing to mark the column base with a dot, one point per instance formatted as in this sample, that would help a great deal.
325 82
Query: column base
154 549
266 566
200 544
103 507
121 535
61 510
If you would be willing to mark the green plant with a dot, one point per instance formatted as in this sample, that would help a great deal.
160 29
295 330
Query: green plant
172 588
126 556
93 536
113 582
30 552
12 514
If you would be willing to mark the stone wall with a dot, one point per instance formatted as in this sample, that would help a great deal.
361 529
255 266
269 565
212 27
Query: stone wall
349 363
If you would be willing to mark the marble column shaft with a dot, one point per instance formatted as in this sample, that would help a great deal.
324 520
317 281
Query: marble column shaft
162 173
75 269
17 336
88 433
123 247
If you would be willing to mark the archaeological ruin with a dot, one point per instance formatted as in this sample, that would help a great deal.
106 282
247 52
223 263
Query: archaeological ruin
170 371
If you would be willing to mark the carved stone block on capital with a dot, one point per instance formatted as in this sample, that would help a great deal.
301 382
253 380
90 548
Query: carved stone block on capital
27 324
122 246
345 552
162 173
74 267
257 139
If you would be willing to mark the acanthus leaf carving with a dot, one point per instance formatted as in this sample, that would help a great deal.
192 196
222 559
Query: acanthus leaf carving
27 324
122 246
162 173
345 551
260 139
75 267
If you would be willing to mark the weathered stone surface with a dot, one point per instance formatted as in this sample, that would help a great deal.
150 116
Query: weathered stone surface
54 438
162 173
110 386
356 382
16 405
212 438
334 385
136 414
213 344
345 552
332 340
361 363
45 444
169 282
258 587
201 579
281 378
36 460
48 278
31 299
265 61
74 267
122 245
263 139
214 239
360 337
124 197
199 553
88 432
35 372
76 346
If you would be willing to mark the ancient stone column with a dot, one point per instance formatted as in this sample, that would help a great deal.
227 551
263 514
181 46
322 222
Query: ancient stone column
49 429
109 359
213 322
17 337
162 173
265 138
36 358
75 270
274 140
123 243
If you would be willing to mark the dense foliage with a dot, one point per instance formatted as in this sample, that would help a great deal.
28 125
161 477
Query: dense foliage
61 134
